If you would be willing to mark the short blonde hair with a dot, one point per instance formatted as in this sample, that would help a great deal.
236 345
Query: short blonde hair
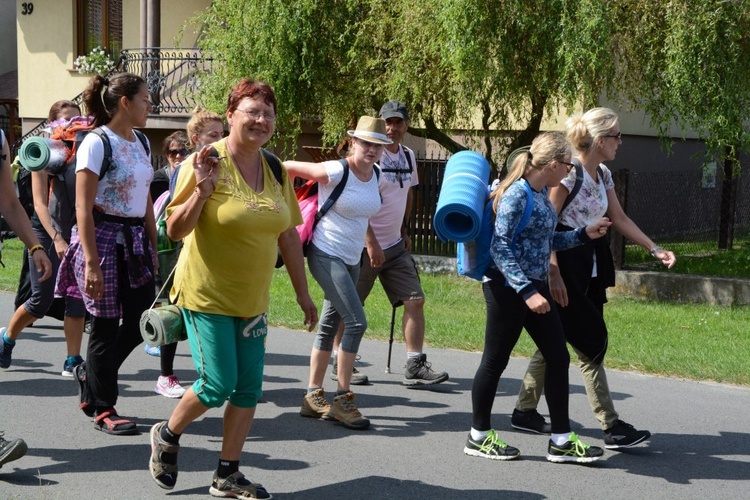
583 130
198 122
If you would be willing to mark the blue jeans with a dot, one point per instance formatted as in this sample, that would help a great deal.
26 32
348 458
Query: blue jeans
339 284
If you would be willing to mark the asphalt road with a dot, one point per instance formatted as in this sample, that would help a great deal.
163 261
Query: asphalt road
700 446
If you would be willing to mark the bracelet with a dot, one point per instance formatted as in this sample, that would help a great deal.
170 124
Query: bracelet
209 179
656 248
34 249
198 192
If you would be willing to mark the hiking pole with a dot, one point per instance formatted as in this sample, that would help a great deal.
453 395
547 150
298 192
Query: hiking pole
390 339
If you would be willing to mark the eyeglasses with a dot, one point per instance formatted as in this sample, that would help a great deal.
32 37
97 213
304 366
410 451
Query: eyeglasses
178 152
617 136
569 166
255 115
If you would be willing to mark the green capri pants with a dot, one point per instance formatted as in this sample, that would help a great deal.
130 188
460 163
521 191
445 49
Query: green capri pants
228 353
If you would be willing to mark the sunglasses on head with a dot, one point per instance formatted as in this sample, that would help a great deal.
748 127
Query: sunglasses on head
178 152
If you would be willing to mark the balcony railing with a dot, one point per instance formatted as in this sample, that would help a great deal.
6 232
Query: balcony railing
173 76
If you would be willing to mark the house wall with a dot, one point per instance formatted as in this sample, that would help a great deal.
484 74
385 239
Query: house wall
638 123
8 56
638 153
174 14
46 42
641 150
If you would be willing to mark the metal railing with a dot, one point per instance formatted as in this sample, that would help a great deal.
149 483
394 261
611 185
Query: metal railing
173 76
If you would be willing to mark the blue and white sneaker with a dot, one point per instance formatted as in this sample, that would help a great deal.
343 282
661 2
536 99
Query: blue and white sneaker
69 366
6 350
152 350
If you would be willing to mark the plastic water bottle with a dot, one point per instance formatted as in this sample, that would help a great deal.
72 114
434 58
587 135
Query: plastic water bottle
470 254
163 242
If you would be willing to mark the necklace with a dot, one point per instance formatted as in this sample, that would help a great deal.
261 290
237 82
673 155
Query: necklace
255 186
258 178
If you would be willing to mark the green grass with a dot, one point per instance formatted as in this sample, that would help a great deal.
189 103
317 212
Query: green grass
697 257
693 341
12 256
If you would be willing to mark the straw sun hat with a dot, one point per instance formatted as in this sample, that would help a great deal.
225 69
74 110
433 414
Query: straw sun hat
371 130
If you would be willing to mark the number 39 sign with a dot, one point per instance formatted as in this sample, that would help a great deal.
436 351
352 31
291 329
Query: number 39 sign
27 8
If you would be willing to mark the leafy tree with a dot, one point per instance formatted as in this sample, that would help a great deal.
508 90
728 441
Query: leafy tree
686 62
492 68
300 47
515 60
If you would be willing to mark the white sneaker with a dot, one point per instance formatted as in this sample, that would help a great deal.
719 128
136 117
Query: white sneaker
169 387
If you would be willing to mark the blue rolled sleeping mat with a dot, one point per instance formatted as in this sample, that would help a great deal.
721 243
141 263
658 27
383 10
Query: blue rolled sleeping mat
463 194
39 153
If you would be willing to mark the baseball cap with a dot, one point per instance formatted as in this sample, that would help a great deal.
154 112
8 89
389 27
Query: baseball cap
394 109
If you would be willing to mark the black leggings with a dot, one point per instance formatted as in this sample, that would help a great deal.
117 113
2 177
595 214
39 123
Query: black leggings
583 318
110 342
507 315
166 360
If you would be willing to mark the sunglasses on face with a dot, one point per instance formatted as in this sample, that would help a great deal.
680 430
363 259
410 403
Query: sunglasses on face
178 152
617 136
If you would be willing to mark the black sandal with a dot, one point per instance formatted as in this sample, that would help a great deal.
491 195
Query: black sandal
110 422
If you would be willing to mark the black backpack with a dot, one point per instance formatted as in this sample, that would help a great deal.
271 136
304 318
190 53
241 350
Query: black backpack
25 194
275 164
398 170
579 181
23 185
62 196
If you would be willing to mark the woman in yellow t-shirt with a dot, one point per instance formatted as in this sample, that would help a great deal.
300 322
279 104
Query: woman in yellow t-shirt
231 214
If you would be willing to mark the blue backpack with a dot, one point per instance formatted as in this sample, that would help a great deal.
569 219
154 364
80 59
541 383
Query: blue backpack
474 257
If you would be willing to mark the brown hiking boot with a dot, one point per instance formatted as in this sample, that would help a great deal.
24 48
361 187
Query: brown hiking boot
345 411
419 372
315 405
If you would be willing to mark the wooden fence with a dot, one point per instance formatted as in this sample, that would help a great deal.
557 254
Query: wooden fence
420 228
